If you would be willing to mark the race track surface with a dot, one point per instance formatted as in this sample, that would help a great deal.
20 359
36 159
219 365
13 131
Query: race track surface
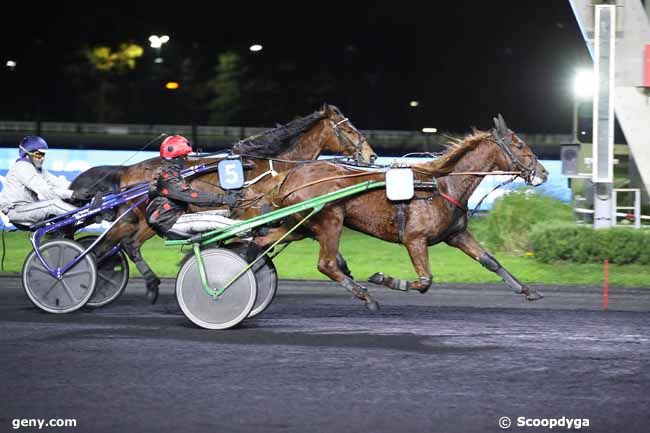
456 359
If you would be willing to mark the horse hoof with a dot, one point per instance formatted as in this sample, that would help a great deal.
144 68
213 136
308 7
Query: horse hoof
152 295
372 306
534 296
376 278
422 290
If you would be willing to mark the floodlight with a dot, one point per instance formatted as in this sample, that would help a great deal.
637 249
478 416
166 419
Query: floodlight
583 84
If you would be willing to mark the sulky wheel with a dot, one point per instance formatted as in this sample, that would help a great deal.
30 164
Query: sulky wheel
69 292
112 275
227 310
265 274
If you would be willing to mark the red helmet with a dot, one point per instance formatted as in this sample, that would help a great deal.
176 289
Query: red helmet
175 146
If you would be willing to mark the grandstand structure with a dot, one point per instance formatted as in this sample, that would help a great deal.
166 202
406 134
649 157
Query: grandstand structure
617 34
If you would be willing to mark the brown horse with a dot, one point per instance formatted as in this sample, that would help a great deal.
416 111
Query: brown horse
325 130
427 219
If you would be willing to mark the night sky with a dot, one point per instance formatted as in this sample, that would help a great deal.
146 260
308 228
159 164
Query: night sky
463 61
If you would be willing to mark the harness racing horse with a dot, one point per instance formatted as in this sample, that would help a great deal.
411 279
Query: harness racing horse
432 216
278 149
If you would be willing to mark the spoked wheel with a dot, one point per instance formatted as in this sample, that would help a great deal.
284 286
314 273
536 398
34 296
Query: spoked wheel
69 292
227 310
112 276
266 275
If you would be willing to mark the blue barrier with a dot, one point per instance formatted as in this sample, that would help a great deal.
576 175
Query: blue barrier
69 163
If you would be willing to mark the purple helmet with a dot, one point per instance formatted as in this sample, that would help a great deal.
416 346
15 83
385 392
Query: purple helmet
32 143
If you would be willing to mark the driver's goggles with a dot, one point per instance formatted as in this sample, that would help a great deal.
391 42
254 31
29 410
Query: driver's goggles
37 155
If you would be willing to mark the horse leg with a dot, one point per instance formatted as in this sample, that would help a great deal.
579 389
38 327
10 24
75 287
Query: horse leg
125 234
273 234
343 265
417 249
470 246
328 231
131 245
339 265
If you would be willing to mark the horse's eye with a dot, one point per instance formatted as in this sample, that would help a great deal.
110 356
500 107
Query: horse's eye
520 145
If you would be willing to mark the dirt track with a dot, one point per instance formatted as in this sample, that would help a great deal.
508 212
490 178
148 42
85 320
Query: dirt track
454 360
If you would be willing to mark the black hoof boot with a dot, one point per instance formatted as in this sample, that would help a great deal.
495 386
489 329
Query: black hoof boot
534 295
376 278
343 265
372 305
152 294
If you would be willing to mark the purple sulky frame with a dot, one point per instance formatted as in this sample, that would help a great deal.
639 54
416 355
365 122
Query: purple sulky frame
78 216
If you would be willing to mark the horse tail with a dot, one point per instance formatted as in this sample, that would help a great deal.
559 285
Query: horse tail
102 178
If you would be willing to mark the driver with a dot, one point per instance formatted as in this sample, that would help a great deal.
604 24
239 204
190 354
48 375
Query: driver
31 194
171 195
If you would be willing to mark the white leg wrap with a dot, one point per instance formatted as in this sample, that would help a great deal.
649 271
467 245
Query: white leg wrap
403 285
200 222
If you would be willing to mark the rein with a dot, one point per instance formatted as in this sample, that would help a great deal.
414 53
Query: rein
459 205
206 168
271 158
327 179
486 173
476 208
447 197
128 159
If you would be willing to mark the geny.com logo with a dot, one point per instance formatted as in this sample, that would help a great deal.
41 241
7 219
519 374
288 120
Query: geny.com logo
40 423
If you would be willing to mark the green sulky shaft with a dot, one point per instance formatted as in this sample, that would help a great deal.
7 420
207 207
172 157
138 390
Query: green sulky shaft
242 226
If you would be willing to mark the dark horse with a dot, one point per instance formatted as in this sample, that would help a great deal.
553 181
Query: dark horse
427 219
273 151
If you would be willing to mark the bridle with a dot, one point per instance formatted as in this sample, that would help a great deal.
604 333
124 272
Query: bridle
340 137
527 171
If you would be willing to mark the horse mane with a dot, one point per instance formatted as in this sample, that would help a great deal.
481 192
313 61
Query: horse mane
456 148
279 139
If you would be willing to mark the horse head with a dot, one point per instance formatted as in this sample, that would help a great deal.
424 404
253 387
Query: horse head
348 139
517 155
